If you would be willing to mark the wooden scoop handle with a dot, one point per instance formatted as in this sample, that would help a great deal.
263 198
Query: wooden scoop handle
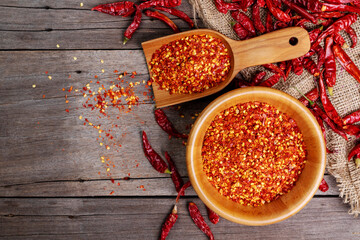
273 47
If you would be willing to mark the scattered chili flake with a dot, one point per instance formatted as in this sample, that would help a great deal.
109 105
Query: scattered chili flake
34 86
75 58
57 45
323 186
112 192
190 64
46 72
112 180
67 110
49 77
43 95
253 153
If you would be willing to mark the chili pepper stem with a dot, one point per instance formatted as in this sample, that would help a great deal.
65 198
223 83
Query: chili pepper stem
168 171
125 40
311 102
357 162
174 211
331 90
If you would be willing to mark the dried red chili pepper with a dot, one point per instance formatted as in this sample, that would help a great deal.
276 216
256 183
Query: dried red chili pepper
346 62
169 223
261 3
352 130
352 35
160 3
271 81
328 107
329 14
125 8
246 4
352 118
280 25
299 10
240 31
313 95
338 39
224 7
321 124
182 191
321 56
326 23
164 18
301 23
154 158
330 65
277 12
175 176
133 26
354 151
338 25
297 66
257 19
199 220
310 66
213 217
275 69
277 3
288 68
339 1
328 121
166 125
311 5
258 78
323 186
245 21
269 26
314 34
177 13
328 7
324 117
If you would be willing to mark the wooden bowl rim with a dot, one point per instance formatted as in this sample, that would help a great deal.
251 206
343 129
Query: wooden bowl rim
205 114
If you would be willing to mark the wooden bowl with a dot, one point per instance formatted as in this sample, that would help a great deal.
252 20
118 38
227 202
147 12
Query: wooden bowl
288 204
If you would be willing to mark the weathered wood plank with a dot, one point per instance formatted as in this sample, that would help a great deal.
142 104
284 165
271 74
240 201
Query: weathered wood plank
67 4
45 150
73 27
133 187
126 218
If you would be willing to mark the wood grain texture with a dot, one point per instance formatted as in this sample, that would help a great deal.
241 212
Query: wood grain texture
44 24
141 218
102 187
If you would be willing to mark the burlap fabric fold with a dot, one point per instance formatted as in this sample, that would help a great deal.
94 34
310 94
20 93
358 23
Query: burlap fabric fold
346 99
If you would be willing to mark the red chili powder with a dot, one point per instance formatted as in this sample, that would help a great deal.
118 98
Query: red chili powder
190 64
253 153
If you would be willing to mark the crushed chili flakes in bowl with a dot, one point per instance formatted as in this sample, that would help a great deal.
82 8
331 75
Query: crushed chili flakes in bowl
253 153
190 64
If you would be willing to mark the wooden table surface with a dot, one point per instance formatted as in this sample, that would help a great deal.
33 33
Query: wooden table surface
53 183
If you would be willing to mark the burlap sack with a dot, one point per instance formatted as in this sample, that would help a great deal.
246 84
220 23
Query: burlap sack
346 99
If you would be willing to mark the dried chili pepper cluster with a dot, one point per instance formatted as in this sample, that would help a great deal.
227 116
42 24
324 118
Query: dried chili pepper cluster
324 20
160 165
190 64
126 8
253 153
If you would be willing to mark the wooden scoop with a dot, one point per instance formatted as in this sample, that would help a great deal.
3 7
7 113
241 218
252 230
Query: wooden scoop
272 47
